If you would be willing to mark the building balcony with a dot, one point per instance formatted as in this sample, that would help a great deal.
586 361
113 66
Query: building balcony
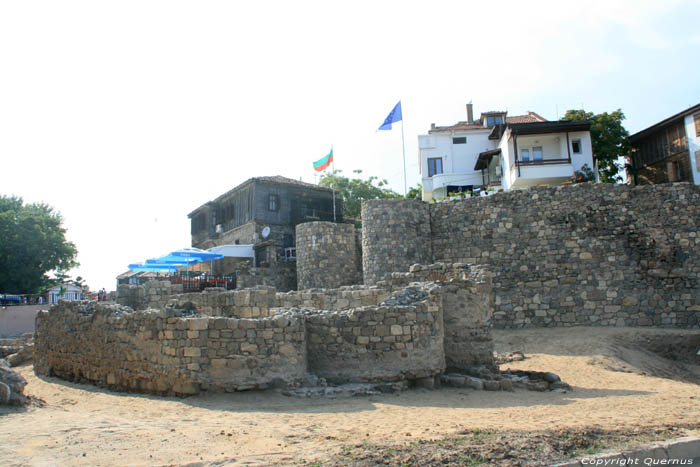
436 182
549 171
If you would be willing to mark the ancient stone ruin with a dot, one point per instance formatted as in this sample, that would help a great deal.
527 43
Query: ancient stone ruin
410 327
430 281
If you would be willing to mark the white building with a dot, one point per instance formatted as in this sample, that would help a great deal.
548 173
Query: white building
70 293
501 152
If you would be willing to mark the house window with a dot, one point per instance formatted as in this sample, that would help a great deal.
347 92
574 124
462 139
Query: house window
459 140
434 166
537 153
576 146
525 154
494 120
273 203
697 124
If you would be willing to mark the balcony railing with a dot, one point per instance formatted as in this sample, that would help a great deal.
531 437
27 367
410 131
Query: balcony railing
538 162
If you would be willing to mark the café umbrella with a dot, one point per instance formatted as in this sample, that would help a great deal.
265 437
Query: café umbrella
152 267
174 260
196 253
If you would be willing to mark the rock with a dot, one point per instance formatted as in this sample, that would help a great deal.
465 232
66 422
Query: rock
492 385
474 383
514 356
454 380
560 385
26 354
6 350
15 383
506 385
5 393
550 377
540 386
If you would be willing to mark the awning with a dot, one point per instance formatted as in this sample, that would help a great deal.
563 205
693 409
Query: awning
234 251
484 158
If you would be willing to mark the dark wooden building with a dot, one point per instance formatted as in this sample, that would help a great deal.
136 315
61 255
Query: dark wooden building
668 151
262 211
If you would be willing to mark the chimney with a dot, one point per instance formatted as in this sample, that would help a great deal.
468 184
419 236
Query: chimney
432 126
470 114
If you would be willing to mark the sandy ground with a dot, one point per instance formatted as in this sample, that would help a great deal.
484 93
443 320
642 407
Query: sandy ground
613 380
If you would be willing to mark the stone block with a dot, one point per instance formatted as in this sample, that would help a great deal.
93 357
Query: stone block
248 347
192 352
198 324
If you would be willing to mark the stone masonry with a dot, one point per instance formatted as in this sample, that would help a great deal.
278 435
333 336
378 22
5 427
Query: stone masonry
588 254
327 255
244 339
167 350
395 235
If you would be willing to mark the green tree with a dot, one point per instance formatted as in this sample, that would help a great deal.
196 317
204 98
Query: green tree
415 192
608 138
32 243
354 191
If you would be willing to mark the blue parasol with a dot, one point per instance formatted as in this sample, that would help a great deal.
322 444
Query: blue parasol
174 260
152 267
196 253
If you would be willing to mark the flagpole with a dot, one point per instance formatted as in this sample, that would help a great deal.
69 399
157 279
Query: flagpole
333 182
403 148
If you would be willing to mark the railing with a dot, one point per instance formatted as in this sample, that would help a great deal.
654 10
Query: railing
538 162
198 283
543 162
313 213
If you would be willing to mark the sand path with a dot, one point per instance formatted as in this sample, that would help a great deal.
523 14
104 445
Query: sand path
84 425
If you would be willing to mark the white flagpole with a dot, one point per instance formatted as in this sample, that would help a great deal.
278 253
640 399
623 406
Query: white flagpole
332 182
403 148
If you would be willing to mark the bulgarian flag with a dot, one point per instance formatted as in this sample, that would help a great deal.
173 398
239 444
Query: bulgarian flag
323 163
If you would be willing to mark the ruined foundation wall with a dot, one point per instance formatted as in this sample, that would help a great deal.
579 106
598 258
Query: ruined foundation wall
340 299
281 276
466 298
588 254
327 255
167 352
395 235
382 343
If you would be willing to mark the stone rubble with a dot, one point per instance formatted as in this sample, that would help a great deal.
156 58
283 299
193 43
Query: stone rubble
11 386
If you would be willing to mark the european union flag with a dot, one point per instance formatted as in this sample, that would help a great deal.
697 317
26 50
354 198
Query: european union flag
394 116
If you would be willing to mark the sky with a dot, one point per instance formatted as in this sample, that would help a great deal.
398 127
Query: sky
126 116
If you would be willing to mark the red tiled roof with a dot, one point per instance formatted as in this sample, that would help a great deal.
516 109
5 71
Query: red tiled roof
461 126
531 117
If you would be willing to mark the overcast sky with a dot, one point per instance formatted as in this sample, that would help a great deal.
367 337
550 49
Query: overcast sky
125 116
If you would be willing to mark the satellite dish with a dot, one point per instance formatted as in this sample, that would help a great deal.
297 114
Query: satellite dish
266 232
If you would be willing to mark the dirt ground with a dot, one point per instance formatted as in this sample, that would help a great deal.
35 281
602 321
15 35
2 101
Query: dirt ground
629 380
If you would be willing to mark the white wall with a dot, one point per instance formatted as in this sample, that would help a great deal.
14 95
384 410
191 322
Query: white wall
586 156
456 158
551 149
693 146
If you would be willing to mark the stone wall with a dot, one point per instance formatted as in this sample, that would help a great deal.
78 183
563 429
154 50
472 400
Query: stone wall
343 298
242 339
150 294
378 343
327 255
395 235
167 351
281 276
465 296
588 254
